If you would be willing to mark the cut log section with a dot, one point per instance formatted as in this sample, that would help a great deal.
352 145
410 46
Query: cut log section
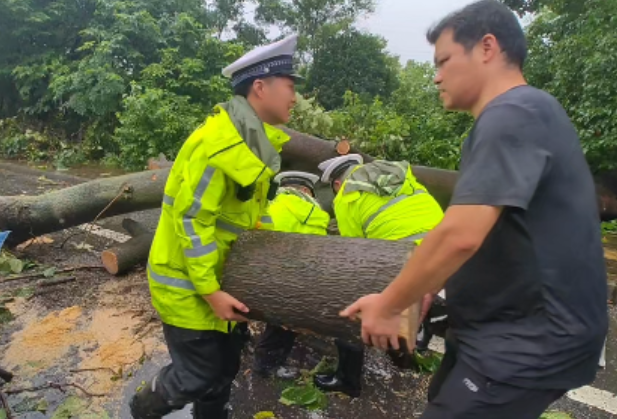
307 290
119 259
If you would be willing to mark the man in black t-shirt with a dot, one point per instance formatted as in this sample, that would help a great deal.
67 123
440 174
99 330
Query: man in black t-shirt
519 250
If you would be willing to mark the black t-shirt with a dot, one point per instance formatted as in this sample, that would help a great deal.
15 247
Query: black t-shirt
530 307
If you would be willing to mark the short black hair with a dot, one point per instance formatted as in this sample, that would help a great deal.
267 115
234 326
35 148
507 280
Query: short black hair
243 89
471 23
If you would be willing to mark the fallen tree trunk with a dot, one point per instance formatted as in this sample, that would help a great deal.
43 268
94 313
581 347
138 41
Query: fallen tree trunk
32 216
306 292
119 259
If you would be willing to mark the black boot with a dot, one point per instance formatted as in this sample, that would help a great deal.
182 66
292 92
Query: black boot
272 350
210 410
150 402
424 337
348 376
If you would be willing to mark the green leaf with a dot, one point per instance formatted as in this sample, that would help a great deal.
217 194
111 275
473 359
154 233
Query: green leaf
17 266
49 272
306 396
428 363
42 406
555 415
264 415
72 407
2 414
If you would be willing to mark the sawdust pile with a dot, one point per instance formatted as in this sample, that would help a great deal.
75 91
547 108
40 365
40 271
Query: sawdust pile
44 341
117 350
96 347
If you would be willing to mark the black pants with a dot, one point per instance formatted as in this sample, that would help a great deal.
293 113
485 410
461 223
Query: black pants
273 347
457 391
203 364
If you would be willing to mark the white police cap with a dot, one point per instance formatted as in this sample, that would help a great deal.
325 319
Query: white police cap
330 166
274 59
303 178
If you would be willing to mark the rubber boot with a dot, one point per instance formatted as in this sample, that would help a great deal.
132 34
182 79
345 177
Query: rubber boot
210 410
423 338
348 376
272 350
150 402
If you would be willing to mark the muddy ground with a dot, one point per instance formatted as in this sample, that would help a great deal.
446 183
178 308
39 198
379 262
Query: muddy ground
100 333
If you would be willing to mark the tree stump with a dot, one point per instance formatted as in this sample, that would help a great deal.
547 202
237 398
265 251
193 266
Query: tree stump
119 259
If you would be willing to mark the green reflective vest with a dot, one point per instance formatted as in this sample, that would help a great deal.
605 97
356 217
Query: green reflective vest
407 214
201 217
292 211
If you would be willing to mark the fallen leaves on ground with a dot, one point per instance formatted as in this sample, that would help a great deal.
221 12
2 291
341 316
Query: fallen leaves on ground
307 396
34 240
74 407
9 264
429 362
555 415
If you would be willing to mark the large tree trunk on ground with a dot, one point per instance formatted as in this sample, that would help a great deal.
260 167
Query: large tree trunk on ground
119 259
306 289
31 216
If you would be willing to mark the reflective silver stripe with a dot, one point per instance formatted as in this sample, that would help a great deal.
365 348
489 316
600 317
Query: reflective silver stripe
185 284
415 237
223 225
168 200
190 231
200 251
187 220
266 219
386 206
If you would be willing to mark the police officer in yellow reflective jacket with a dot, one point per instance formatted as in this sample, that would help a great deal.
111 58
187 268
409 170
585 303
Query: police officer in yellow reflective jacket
217 187
377 200
294 210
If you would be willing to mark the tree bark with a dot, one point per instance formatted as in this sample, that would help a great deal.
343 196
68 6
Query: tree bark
119 259
307 291
32 216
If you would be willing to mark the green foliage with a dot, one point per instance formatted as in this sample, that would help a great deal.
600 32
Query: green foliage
314 20
121 81
428 363
304 393
584 30
351 60
307 396
9 264
411 126
154 121
609 227
307 116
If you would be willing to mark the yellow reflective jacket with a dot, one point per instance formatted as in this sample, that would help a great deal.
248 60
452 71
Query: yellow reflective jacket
292 211
410 214
201 217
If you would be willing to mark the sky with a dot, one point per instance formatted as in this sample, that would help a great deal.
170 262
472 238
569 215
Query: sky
403 23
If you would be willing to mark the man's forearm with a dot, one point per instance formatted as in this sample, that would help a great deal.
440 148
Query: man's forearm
427 270
444 250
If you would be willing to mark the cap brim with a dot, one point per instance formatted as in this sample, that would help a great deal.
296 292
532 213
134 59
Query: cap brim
295 77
